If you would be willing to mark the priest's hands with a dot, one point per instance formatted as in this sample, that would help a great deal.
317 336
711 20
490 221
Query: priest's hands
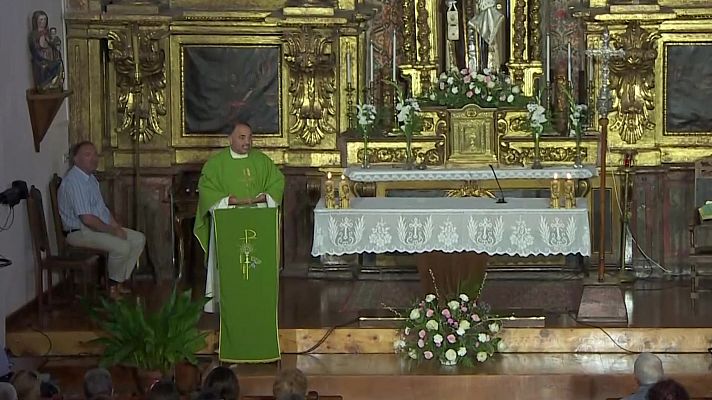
234 201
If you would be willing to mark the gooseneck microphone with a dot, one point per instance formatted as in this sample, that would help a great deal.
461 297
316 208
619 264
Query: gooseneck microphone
501 199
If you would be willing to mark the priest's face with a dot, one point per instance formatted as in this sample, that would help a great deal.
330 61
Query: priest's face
241 139
87 158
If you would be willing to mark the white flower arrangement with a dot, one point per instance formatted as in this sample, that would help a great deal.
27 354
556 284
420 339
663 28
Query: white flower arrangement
577 114
408 116
453 331
537 118
365 118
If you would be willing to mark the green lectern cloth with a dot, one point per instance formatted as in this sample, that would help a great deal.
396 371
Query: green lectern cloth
248 267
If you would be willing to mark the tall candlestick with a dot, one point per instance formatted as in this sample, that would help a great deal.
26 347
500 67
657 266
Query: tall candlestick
370 63
344 192
548 58
348 67
569 61
394 55
555 192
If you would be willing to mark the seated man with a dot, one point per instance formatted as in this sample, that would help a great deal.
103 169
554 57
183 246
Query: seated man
648 370
87 222
238 176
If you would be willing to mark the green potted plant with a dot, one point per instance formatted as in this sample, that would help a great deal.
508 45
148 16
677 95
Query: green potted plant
150 342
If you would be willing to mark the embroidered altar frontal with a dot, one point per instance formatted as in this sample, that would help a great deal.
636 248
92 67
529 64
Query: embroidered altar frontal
521 227
248 268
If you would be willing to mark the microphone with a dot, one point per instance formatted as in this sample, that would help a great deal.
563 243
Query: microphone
501 199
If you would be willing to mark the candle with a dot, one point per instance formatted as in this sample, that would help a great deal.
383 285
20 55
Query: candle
548 58
555 192
370 63
569 192
394 55
590 68
348 68
569 61
344 192
329 192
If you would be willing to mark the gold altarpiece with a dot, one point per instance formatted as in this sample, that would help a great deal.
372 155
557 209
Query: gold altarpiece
118 100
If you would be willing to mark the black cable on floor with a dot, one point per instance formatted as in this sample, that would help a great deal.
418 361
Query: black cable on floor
323 338
49 341
605 332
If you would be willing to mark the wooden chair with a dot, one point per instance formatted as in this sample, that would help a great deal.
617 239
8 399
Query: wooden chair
64 248
45 261
700 232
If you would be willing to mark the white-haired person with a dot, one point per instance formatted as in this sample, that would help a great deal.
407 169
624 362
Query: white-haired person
7 391
648 371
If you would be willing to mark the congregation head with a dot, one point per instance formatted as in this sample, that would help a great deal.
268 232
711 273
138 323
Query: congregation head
290 382
163 390
27 385
84 156
668 389
97 383
241 138
223 382
648 368
7 391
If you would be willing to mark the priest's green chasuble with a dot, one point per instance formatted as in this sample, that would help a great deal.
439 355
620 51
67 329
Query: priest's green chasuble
248 266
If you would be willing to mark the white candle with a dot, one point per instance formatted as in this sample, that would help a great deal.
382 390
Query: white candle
394 55
348 67
548 58
370 63
590 68
569 61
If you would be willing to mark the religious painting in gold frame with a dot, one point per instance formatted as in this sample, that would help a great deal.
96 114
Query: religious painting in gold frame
687 88
263 50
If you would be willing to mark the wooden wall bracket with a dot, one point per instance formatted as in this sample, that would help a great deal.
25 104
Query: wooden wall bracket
43 108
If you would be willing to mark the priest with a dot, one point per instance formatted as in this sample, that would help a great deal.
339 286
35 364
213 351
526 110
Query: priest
237 176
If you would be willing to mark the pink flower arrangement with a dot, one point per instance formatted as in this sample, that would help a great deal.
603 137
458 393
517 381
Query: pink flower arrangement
452 331
455 89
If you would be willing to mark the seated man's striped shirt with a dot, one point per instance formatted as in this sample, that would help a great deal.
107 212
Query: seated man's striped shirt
79 194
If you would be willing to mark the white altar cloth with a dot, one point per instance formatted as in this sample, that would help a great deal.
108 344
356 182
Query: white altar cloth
522 227
390 174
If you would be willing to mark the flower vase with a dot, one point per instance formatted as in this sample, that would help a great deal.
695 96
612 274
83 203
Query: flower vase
577 158
536 163
408 152
448 363
365 162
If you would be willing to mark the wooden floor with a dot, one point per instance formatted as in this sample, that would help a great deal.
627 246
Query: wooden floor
562 360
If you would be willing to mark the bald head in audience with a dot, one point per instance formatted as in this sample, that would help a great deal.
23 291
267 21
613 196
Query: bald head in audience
7 391
290 384
648 369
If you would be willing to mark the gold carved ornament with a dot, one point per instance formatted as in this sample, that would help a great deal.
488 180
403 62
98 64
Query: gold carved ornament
509 155
534 29
470 189
633 82
312 83
430 157
140 79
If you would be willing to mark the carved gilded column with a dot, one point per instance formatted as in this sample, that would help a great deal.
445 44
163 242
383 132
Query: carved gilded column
633 83
312 85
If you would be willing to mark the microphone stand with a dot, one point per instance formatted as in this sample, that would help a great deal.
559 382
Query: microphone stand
501 199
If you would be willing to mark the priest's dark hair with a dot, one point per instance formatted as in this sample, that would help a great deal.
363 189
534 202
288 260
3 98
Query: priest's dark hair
240 122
